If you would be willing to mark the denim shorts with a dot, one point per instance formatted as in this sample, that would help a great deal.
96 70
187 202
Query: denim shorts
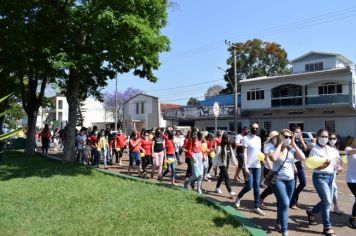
134 158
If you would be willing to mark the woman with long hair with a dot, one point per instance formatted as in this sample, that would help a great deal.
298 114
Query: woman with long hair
283 163
225 155
170 157
146 145
211 149
323 178
103 146
134 152
188 154
158 147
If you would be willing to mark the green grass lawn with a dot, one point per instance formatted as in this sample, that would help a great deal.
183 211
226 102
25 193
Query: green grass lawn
44 197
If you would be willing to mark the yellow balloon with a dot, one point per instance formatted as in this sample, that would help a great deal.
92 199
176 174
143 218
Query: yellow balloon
344 159
261 156
212 154
204 147
142 154
170 160
314 162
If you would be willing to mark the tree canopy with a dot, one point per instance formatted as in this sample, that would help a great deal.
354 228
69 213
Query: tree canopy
213 91
255 58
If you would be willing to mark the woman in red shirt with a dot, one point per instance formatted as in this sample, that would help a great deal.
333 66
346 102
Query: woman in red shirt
134 152
196 161
119 146
211 147
188 154
146 145
170 157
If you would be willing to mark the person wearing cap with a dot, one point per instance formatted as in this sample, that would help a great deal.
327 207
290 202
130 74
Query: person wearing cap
269 147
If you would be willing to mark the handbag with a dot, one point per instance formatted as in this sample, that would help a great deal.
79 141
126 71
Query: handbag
271 178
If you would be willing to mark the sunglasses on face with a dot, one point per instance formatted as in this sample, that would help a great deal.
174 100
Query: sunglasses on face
287 137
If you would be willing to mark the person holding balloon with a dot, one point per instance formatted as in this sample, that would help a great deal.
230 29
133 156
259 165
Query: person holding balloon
351 178
225 155
283 165
170 157
322 160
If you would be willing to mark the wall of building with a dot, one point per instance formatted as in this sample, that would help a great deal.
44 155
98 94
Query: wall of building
328 62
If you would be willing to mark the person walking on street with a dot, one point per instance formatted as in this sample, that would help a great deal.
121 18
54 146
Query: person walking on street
81 140
119 146
158 147
283 163
134 152
146 145
252 166
240 154
323 178
46 136
351 178
225 155
170 158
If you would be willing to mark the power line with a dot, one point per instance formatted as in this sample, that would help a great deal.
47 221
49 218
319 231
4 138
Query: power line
184 86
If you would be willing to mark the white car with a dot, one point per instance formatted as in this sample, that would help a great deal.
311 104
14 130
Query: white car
308 137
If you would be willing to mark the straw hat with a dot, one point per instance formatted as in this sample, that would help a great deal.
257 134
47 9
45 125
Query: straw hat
271 135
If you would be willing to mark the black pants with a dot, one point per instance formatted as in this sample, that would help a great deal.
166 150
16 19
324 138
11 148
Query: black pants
352 187
224 175
268 191
146 161
96 156
302 183
189 169
210 163
118 154
45 145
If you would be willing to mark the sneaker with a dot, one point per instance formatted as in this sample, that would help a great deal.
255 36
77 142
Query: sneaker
208 175
200 191
218 190
352 222
285 233
278 227
259 211
237 202
295 207
232 194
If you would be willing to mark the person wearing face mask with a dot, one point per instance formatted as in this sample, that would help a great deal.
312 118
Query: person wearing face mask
269 147
283 163
323 178
300 174
337 169
252 146
93 137
158 147
240 155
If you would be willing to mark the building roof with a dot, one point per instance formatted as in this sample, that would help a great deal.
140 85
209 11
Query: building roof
289 76
224 99
165 106
143 94
339 56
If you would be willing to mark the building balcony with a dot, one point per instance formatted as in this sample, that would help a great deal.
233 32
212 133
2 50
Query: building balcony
287 101
327 99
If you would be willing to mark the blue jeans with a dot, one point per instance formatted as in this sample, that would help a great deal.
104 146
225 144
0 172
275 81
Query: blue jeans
173 168
252 181
283 189
302 183
104 153
134 158
323 184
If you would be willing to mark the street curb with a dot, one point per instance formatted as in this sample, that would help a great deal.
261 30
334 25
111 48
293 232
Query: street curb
252 228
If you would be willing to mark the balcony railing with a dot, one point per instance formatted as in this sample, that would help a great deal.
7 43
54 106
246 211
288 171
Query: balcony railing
287 101
327 99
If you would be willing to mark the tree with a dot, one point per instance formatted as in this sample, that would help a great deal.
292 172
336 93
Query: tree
28 37
192 102
100 39
213 91
255 58
109 102
80 111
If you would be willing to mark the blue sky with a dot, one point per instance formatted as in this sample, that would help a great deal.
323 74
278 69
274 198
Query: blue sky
197 30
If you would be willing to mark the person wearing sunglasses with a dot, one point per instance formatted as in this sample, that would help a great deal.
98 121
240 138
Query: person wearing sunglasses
252 166
286 152
323 178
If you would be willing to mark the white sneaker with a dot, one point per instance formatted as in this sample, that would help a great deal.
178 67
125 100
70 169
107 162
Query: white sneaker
208 175
232 194
237 202
259 211
218 190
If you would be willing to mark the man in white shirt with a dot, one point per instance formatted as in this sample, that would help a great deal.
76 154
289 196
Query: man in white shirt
252 166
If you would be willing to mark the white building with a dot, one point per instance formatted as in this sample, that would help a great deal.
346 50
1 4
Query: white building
320 93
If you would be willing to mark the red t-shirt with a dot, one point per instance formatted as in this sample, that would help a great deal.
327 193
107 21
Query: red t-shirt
196 147
120 141
93 140
147 146
186 146
170 147
134 148
210 144
218 141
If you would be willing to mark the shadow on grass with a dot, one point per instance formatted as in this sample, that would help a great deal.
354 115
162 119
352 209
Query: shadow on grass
19 165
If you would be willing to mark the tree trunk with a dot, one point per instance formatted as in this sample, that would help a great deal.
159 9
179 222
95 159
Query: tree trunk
72 98
31 131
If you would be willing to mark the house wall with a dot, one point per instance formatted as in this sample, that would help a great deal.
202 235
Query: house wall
329 62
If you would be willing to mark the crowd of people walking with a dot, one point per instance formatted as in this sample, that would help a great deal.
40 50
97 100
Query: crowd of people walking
276 163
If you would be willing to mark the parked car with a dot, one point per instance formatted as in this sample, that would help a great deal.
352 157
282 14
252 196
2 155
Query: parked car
308 137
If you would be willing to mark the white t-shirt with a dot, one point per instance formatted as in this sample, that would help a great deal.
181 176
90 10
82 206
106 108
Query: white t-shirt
287 170
327 152
351 167
253 145
268 149
239 140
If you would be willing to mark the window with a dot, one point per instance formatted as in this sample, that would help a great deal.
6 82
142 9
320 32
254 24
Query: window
330 125
256 94
137 108
330 88
60 116
142 107
267 126
314 67
60 104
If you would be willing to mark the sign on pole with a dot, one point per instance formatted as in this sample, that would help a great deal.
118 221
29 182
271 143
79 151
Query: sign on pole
216 109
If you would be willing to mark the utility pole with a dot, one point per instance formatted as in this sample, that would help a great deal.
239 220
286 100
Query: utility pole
236 114
115 103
